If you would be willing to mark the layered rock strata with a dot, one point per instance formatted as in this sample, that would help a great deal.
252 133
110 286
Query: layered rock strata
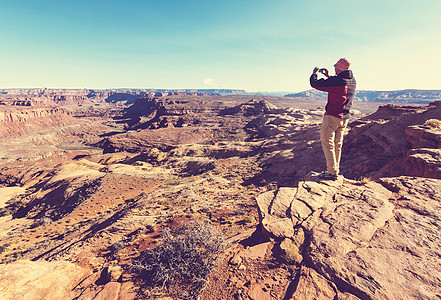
26 120
394 141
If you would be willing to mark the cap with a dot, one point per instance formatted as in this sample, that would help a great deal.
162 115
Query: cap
343 64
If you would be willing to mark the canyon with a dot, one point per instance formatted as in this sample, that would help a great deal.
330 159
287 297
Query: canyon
91 180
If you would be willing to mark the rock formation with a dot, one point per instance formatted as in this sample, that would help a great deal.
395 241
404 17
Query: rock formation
394 141
25 120
358 237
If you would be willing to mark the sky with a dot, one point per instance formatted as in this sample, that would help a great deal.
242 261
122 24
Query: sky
235 44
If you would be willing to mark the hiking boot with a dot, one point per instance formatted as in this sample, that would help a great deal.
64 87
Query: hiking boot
327 176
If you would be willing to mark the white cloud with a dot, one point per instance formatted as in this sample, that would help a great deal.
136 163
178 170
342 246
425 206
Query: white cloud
208 81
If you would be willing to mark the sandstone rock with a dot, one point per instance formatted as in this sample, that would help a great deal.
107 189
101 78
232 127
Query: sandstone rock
290 251
278 227
312 285
339 228
281 210
273 209
379 147
39 280
127 291
365 240
109 292
299 211
257 291
299 237
282 202
115 272
419 136
423 162
264 202
380 256
256 252
316 194
235 260
346 296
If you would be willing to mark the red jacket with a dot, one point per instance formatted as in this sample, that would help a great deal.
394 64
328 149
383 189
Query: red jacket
341 91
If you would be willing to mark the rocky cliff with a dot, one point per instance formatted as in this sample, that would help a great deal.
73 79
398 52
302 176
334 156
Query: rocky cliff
25 120
394 141
45 97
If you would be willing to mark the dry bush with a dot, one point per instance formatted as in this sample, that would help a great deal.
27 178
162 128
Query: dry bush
291 252
365 180
433 123
184 260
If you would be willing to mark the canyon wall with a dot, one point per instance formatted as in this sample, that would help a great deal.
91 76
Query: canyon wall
18 121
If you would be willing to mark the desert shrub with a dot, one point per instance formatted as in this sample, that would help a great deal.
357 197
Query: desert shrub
4 247
433 123
41 222
365 180
185 258
118 245
150 228
291 252
248 220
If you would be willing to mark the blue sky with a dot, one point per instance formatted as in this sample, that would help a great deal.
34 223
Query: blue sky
253 45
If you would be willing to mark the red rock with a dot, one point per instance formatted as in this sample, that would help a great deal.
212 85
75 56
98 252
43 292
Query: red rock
312 285
257 252
257 292
109 292
383 146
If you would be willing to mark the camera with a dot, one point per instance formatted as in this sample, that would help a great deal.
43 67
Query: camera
322 71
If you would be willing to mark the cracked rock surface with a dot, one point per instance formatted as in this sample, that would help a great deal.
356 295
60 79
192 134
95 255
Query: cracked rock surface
363 241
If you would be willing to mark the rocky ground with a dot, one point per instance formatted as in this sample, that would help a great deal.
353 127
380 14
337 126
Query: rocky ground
78 210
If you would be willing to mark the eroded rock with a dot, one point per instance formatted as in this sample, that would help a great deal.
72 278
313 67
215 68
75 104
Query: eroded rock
384 144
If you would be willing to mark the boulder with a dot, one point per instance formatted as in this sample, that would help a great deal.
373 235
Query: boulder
273 211
282 201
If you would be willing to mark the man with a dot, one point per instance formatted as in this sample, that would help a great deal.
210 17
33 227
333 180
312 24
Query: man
341 90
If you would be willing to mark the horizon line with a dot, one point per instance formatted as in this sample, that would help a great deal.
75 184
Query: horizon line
200 89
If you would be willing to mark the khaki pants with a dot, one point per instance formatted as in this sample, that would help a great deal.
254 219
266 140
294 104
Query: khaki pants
331 136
